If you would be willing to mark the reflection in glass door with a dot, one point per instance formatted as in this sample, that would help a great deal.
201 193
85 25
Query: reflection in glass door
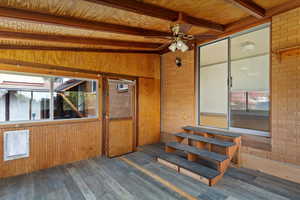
249 92
236 69
213 87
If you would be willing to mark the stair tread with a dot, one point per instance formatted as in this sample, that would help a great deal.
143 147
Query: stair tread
189 165
200 152
211 131
205 139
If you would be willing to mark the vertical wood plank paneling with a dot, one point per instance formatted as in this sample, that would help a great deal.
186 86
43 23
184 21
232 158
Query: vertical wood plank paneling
178 93
120 137
122 63
148 111
54 144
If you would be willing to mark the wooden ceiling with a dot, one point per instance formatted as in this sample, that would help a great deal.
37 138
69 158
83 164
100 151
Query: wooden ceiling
125 25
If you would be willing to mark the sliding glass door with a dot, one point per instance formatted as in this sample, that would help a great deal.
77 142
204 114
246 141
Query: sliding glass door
249 91
213 87
234 82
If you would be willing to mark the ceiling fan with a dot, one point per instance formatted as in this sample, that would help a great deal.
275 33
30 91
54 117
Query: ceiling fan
181 40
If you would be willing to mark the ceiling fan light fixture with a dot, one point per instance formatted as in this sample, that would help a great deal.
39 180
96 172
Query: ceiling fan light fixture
173 47
184 47
179 44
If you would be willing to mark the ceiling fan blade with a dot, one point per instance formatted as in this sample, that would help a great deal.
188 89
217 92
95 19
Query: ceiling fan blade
185 28
204 36
159 37
164 46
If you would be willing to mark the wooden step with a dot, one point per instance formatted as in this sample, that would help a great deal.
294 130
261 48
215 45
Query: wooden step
195 170
211 131
205 139
196 151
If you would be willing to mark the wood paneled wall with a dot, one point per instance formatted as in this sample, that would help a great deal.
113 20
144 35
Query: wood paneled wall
53 144
148 111
132 64
57 143
120 141
178 93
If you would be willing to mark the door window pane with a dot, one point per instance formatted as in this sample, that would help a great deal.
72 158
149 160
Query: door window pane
120 100
213 84
249 105
74 98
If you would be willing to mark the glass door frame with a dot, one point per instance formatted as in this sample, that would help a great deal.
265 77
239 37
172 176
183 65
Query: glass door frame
229 82
198 81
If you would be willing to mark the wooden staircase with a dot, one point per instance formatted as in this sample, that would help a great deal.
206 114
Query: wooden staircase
209 153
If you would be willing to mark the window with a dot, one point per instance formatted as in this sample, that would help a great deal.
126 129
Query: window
74 98
234 82
249 91
24 97
35 98
213 87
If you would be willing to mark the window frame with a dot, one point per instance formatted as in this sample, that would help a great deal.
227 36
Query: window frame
51 106
197 82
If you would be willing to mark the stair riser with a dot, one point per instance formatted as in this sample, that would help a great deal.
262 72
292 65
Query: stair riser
185 171
192 157
216 180
226 138
195 176
209 182
169 149
223 166
191 140
168 164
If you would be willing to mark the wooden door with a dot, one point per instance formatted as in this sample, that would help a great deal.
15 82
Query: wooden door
120 125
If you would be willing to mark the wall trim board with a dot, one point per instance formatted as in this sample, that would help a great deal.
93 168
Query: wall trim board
75 49
27 124
282 170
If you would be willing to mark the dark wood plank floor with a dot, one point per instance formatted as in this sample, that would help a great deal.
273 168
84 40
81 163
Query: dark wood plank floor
103 178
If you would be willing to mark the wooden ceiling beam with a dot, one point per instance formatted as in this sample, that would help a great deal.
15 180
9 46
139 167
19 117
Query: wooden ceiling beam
157 12
202 23
74 49
139 8
292 4
249 6
77 23
249 22
76 40
252 21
